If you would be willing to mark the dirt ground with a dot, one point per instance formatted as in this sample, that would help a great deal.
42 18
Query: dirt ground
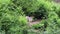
31 22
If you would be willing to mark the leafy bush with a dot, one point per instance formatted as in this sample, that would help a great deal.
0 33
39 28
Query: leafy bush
12 19
38 26
11 23
36 8
41 9
50 25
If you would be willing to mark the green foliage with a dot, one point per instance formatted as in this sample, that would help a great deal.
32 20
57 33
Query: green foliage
5 1
51 25
36 8
12 23
40 9
13 19
38 26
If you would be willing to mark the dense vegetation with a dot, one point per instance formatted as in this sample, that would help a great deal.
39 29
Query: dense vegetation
13 16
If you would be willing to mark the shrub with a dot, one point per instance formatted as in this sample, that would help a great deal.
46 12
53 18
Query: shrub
12 19
36 8
38 26
11 23
50 25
